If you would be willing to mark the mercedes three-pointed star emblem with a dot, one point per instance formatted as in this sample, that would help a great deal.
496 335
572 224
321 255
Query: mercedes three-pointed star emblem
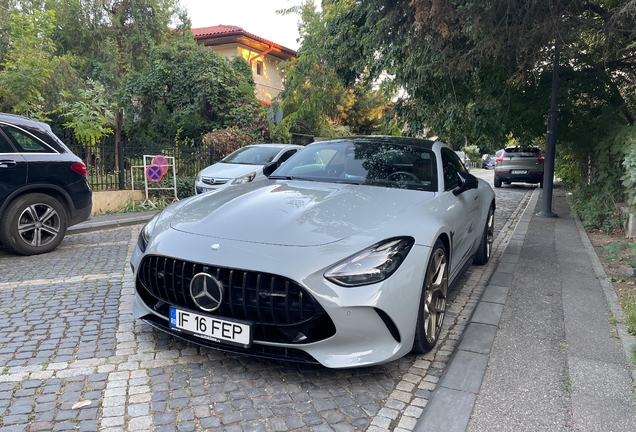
206 291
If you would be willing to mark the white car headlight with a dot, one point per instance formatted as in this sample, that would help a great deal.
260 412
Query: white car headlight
373 264
146 233
198 179
244 179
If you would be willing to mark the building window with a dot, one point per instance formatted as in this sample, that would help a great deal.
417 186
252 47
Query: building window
259 67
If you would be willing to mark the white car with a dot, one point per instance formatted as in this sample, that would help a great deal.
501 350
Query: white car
242 166
342 257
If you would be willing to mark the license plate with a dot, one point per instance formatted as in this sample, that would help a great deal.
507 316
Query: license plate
519 172
211 328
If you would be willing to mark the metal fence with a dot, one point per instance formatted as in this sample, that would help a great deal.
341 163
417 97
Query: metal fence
109 164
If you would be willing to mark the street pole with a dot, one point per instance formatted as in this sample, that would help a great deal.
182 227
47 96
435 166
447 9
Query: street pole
548 168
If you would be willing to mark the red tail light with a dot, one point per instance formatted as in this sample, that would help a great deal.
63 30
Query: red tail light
540 157
79 168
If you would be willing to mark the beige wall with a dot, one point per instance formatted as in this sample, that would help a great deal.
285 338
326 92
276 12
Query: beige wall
114 200
270 83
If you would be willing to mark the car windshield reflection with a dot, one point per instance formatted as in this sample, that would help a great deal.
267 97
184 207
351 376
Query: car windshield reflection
252 155
384 164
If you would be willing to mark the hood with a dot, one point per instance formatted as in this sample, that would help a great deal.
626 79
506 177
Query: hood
293 213
229 171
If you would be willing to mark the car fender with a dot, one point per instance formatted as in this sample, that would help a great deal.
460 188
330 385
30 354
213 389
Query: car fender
41 188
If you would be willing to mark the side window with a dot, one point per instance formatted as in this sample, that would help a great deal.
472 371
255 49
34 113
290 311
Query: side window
5 147
286 155
25 142
451 166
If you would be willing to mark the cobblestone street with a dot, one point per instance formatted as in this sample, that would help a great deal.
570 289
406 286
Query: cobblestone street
72 358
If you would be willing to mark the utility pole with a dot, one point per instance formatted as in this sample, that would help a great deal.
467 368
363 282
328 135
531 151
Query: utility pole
548 168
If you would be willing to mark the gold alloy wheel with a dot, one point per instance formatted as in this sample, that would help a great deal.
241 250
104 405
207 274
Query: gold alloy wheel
435 291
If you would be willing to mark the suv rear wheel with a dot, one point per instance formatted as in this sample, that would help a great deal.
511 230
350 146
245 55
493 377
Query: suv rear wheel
497 182
33 224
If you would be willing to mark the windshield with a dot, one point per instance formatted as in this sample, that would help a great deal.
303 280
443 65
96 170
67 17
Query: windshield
522 152
256 155
375 163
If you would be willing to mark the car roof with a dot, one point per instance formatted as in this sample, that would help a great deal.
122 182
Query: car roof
383 139
23 121
275 145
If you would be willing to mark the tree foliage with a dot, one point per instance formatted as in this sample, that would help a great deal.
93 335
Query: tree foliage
81 62
28 62
90 115
315 95
186 90
474 72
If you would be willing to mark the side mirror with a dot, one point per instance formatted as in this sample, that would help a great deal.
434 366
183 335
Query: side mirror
270 168
466 181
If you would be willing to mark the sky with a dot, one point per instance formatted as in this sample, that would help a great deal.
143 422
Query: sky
258 17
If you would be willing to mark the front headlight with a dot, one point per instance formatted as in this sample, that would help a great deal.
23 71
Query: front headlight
146 233
245 179
373 264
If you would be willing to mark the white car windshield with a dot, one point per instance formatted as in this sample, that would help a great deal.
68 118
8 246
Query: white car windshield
374 163
258 155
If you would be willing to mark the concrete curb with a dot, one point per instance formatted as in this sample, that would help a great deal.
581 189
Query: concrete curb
110 222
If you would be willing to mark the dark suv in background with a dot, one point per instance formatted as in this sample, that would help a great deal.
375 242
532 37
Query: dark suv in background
43 187
519 164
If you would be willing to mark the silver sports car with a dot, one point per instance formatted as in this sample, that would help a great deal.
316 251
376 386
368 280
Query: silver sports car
343 256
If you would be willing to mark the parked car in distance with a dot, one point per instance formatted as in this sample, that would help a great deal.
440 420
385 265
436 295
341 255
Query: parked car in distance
343 256
465 159
242 166
519 164
43 187
488 162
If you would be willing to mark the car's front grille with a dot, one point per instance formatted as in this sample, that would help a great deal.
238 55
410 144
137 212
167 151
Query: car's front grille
281 310
214 181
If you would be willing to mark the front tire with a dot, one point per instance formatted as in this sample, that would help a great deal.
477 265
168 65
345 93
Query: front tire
485 246
432 308
33 224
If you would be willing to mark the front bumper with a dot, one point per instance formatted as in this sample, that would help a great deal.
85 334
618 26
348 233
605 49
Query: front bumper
529 177
371 324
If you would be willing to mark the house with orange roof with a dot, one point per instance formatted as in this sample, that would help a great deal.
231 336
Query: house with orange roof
263 56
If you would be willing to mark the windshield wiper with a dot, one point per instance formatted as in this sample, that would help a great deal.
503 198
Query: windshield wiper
290 178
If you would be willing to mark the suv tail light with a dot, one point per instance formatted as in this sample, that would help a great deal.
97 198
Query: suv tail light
541 159
79 168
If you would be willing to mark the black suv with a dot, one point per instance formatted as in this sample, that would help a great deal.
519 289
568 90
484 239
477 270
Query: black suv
43 187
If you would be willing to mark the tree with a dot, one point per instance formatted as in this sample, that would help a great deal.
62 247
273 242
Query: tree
90 116
186 90
474 72
28 63
315 95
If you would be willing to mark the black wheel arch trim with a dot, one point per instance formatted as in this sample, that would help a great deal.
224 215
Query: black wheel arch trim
40 188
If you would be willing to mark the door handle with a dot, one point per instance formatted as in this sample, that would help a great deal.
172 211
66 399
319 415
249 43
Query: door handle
7 163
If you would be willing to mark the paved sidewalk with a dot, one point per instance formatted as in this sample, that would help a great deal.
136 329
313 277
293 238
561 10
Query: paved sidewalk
540 352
